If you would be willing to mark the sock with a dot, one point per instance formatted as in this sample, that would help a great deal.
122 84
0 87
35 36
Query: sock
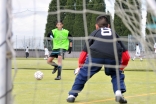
118 93
59 71
54 64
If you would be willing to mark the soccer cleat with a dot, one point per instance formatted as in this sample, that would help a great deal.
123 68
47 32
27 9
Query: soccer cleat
71 99
58 78
121 99
54 70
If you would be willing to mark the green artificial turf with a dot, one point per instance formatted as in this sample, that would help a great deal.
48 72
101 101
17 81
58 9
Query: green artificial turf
141 85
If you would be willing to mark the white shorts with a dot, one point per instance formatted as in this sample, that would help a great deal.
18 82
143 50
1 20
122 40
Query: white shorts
137 53
47 53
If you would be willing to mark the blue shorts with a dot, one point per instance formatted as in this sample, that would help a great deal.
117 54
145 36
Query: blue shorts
57 52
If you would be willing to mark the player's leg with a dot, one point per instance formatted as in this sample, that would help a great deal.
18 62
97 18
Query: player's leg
119 93
45 56
63 56
60 54
59 68
50 62
25 54
141 58
134 57
85 73
120 87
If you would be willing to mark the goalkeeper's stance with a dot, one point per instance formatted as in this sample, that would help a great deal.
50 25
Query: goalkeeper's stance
61 41
110 53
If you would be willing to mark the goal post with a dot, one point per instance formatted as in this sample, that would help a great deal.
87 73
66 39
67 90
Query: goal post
5 66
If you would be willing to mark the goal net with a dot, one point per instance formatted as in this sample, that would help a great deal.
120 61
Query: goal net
133 20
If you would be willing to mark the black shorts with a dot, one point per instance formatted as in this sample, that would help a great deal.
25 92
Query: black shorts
57 52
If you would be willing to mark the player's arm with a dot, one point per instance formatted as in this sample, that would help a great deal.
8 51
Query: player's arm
125 56
81 61
125 59
70 43
82 58
70 39
50 36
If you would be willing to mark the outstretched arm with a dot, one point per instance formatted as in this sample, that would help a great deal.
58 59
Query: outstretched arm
82 58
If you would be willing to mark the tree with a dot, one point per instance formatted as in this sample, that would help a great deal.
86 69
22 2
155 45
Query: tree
74 22
78 27
89 17
128 22
120 27
69 18
98 5
95 5
52 18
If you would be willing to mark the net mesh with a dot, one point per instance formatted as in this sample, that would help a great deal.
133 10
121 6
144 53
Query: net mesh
134 15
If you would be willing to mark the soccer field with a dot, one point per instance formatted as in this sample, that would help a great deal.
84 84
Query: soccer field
141 85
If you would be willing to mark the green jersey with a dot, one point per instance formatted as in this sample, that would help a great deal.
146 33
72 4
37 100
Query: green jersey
60 39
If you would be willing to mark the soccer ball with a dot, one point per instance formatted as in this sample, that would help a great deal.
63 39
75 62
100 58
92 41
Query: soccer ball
38 75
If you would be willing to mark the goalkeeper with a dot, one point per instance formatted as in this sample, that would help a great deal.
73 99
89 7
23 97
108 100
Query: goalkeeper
61 43
110 53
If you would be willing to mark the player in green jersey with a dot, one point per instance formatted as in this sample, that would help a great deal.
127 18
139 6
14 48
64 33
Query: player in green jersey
62 42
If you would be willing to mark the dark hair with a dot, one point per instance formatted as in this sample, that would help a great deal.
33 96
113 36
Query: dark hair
59 21
102 21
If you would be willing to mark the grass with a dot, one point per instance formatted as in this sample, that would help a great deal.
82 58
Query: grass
141 85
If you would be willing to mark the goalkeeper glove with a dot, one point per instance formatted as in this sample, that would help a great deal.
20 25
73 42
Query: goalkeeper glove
69 50
76 71
82 59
